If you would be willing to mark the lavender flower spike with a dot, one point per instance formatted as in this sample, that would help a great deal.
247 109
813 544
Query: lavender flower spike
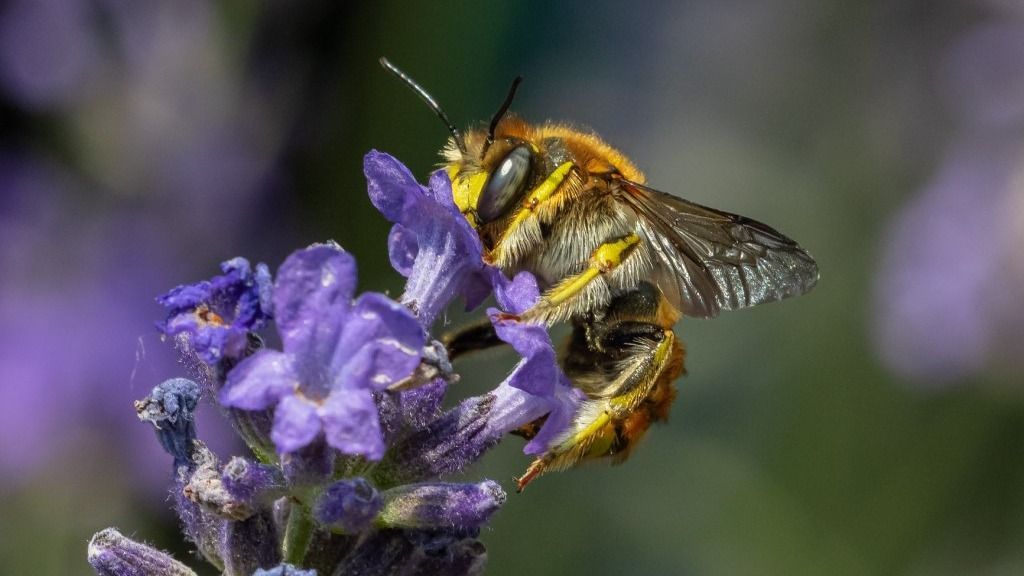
336 354
112 554
354 376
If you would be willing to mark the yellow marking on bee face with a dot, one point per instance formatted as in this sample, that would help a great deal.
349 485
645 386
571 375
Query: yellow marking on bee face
466 192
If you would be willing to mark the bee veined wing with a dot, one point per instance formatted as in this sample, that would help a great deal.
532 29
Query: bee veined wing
708 260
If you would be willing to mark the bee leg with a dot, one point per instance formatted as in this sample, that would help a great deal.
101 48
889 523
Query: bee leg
524 229
471 338
529 430
621 410
626 333
605 259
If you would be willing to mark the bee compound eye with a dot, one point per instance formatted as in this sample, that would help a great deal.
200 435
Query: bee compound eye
505 184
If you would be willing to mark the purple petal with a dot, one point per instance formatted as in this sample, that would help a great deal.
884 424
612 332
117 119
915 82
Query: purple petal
402 249
213 317
296 424
351 423
259 381
312 297
391 185
516 295
264 289
186 296
381 344
254 302
538 372
514 408
567 400
448 251
233 269
477 287
440 272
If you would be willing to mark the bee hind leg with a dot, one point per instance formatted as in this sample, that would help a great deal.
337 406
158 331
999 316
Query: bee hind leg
623 405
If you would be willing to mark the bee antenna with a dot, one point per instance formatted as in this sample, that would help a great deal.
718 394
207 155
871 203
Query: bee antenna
426 97
500 114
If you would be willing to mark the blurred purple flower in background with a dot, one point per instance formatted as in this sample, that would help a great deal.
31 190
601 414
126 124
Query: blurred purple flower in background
47 51
951 277
353 483
88 230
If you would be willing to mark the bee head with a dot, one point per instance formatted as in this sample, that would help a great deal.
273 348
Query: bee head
488 176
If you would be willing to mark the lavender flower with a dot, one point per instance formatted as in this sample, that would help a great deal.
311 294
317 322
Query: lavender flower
431 242
353 482
214 317
174 172
336 354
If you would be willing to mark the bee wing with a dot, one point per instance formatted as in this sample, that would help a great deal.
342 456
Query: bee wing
709 260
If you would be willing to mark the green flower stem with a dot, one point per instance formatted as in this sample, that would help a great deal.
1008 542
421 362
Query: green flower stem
298 533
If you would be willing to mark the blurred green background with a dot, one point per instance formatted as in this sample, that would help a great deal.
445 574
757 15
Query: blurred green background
875 426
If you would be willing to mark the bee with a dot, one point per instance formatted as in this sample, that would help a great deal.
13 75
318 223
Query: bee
619 260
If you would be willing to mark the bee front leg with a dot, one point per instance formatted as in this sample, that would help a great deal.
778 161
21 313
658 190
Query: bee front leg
562 301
